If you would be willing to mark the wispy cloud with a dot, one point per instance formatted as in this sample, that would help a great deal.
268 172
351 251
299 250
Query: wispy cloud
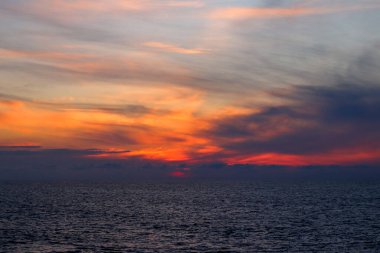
188 3
99 66
173 48
241 13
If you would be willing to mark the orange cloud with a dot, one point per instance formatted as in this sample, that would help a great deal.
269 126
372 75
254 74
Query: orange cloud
268 159
241 13
173 48
11 103
341 157
159 133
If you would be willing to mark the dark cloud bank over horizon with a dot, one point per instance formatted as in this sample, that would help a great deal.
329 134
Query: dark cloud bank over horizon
342 114
38 164
320 119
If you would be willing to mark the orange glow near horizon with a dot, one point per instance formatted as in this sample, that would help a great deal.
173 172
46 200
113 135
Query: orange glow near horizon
169 138
177 174
345 157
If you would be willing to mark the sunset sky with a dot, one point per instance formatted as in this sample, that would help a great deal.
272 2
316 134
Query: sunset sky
182 84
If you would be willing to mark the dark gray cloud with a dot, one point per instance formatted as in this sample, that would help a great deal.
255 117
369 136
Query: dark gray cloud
317 120
342 111
29 163
26 163
130 110
2 148
276 3
38 151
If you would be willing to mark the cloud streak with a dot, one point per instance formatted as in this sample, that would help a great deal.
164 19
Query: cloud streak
173 48
242 13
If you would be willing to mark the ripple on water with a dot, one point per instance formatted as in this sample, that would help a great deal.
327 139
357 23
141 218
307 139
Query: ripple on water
190 217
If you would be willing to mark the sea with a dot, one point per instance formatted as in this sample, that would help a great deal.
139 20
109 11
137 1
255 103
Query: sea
184 216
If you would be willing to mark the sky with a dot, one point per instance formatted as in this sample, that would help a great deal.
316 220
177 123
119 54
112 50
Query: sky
186 88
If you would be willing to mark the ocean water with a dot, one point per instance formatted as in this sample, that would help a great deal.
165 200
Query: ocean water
190 217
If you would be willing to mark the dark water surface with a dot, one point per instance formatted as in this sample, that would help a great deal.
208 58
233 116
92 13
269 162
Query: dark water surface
190 217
